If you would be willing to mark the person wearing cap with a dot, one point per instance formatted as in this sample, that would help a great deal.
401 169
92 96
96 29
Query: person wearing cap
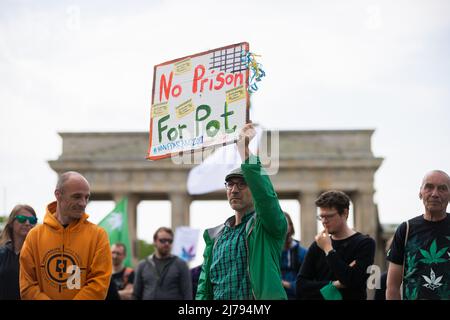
242 255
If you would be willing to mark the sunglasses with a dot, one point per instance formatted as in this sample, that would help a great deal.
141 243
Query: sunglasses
22 219
165 241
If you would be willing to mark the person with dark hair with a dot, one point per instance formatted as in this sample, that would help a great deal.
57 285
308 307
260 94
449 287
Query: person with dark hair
291 260
419 256
67 257
20 221
242 256
162 276
123 277
336 263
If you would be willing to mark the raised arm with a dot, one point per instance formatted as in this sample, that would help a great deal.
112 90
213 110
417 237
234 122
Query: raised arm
246 134
265 198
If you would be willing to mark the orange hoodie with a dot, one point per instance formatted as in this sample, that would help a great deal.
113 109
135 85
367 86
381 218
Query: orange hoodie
65 263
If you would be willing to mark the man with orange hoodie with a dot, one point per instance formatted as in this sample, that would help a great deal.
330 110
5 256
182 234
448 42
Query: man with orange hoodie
67 257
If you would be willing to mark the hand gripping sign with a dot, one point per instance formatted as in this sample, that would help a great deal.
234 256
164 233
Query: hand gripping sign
199 101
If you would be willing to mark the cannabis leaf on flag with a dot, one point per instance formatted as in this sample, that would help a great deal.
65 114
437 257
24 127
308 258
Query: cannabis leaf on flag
116 225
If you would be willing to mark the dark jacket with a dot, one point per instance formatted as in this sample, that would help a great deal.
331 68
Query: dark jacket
174 282
9 273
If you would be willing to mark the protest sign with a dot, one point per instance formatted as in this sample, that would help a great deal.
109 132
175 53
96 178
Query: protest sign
185 243
199 101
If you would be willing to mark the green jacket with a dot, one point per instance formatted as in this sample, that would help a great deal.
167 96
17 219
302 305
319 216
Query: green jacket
266 233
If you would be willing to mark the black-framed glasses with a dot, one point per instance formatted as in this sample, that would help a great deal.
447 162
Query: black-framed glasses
325 216
163 241
21 219
240 185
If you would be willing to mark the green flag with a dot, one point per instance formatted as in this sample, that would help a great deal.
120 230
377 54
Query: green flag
116 225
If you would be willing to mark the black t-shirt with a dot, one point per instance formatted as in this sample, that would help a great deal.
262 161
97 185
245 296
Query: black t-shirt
119 279
318 270
9 273
113 293
427 258
380 293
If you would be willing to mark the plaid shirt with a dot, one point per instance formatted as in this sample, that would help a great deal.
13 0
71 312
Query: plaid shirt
229 274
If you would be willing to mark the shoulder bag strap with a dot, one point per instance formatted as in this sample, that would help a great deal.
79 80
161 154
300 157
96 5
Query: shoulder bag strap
404 256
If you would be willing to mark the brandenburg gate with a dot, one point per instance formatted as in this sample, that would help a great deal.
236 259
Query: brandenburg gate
309 162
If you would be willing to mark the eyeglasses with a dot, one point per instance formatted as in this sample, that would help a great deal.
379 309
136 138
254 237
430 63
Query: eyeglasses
163 241
21 219
328 217
240 185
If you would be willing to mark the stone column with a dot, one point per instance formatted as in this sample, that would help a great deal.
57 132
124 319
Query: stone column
366 221
181 203
308 220
133 202
365 213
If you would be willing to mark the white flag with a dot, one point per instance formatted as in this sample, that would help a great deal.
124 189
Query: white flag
210 175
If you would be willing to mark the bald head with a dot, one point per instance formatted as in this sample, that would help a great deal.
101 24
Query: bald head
72 196
69 175
436 173
435 194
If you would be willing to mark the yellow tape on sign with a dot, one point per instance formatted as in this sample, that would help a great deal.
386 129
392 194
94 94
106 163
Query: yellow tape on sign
183 66
235 94
184 109
160 109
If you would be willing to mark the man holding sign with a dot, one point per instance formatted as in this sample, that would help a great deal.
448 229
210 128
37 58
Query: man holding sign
242 256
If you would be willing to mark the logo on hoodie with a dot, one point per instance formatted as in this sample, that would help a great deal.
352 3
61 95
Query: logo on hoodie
62 269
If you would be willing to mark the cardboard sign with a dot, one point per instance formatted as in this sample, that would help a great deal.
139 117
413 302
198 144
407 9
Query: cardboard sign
199 101
185 243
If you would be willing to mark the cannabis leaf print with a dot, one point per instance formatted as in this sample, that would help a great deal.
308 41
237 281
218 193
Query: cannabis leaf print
432 281
432 256
411 265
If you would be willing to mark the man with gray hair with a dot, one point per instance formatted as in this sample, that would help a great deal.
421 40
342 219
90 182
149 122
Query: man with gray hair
419 255
67 257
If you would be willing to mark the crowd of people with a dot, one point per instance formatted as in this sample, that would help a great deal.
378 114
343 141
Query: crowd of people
251 256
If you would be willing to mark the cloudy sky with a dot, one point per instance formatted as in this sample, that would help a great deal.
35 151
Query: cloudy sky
363 64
